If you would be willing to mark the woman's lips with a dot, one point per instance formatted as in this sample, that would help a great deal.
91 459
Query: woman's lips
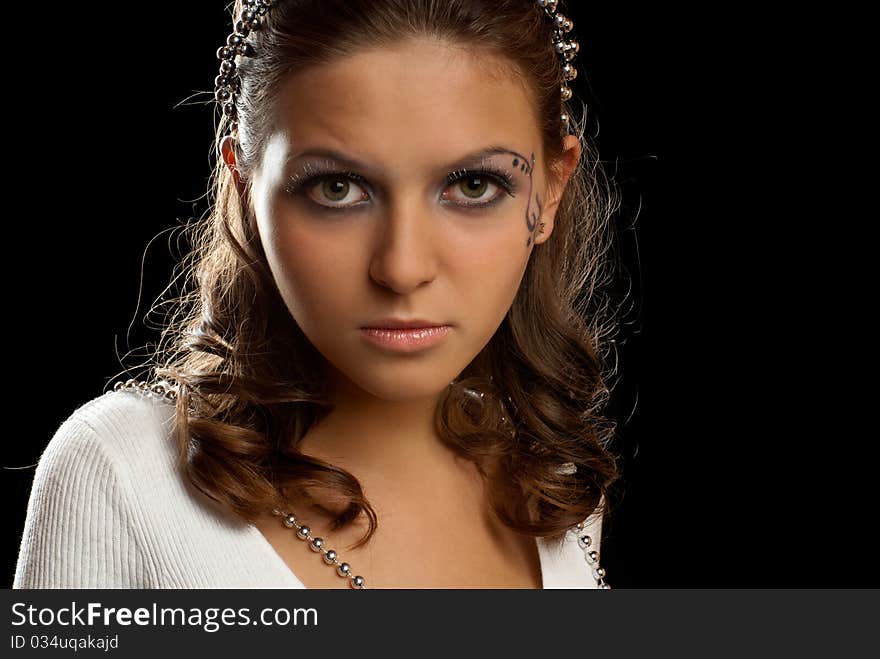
405 340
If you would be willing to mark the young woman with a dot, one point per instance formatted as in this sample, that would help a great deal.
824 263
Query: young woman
391 369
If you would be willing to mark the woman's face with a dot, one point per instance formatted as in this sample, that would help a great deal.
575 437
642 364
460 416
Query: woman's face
379 229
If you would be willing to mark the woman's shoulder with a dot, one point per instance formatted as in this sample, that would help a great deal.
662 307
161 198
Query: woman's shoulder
130 406
122 426
82 526
122 438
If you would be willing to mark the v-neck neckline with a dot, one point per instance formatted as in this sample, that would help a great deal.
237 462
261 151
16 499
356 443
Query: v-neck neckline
292 581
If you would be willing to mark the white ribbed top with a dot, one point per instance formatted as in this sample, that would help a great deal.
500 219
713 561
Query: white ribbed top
110 509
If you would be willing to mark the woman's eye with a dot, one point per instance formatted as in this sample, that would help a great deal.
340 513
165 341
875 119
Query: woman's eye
342 190
338 190
473 190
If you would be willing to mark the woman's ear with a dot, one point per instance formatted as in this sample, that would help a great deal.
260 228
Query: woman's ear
561 172
227 150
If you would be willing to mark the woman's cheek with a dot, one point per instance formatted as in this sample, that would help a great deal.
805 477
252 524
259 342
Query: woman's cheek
294 272
493 279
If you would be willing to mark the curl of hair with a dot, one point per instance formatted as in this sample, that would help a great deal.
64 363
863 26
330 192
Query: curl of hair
249 385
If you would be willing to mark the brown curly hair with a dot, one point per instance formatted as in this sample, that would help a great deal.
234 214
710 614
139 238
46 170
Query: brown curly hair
249 383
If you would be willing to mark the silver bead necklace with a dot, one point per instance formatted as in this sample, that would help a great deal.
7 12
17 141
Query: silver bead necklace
167 391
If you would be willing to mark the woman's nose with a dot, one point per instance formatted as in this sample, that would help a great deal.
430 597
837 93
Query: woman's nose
405 248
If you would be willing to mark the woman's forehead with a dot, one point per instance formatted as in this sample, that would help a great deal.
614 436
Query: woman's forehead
386 93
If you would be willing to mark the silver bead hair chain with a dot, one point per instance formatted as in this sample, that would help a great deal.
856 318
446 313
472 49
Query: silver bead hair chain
167 391
227 85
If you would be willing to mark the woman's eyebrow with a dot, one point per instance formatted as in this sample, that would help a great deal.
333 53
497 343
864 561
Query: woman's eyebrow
472 159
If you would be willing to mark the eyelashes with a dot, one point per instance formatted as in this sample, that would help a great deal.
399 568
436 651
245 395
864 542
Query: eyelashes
300 185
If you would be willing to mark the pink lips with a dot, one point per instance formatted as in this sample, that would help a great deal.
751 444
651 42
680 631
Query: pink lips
408 339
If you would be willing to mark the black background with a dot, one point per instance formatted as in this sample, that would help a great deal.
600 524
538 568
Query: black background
743 463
